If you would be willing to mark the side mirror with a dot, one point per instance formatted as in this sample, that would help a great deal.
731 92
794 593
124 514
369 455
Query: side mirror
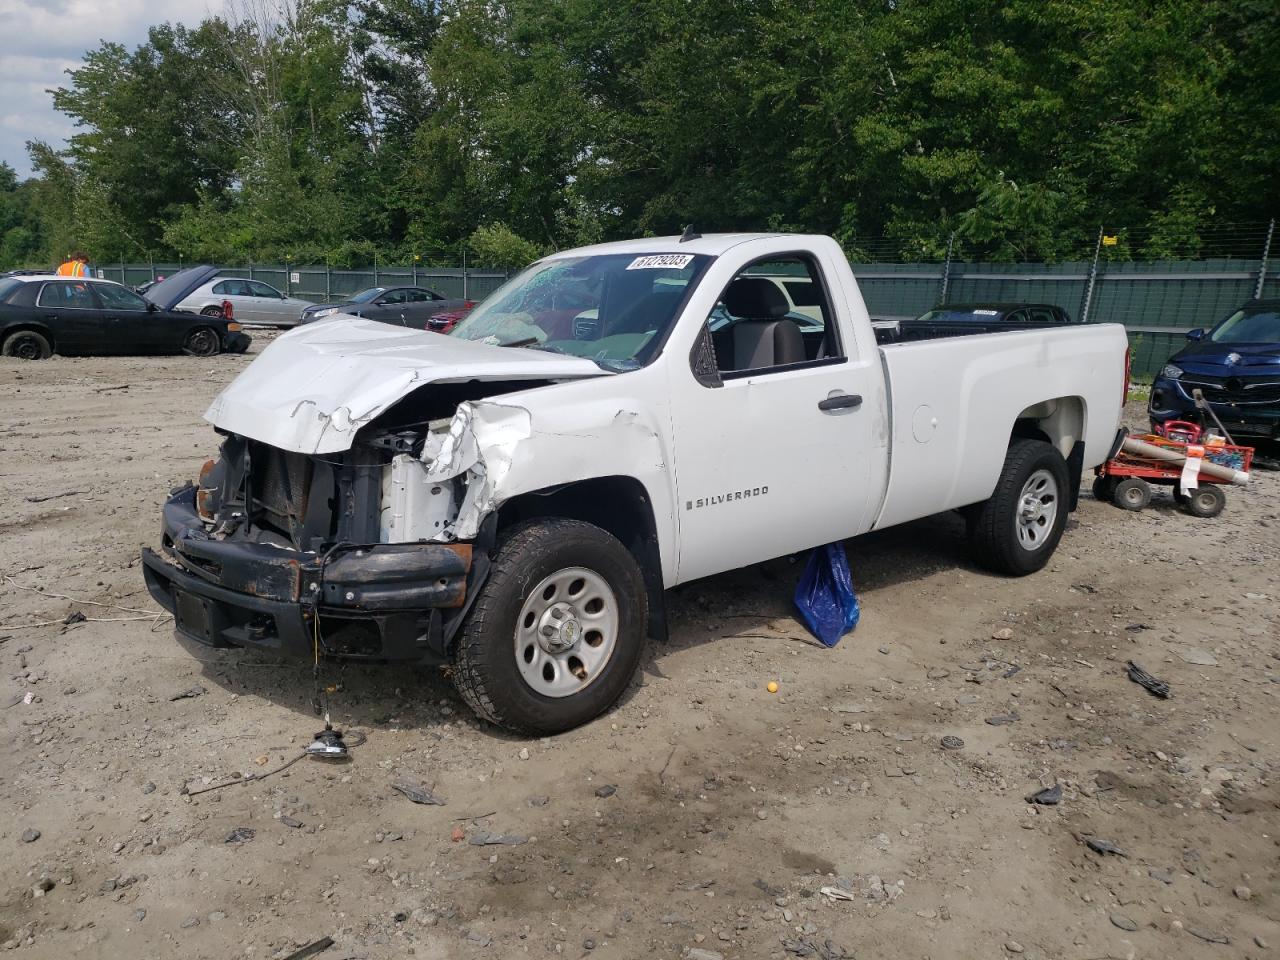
151 307
1196 334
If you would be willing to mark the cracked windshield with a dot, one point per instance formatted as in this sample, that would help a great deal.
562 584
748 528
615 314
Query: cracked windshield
612 309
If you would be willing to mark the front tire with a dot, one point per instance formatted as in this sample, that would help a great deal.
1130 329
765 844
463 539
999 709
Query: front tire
1016 530
201 342
557 629
27 345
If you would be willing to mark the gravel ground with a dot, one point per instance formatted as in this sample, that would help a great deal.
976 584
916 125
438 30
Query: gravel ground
702 818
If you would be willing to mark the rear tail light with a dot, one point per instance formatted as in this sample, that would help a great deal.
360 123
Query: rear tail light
228 310
468 304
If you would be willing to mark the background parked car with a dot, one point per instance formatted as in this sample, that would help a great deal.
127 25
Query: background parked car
407 306
41 315
252 302
1236 368
960 319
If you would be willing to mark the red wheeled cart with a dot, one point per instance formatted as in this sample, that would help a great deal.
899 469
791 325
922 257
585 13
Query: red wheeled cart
1127 478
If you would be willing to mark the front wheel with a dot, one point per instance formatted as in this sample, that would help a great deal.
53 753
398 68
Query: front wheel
1016 530
27 345
557 629
201 342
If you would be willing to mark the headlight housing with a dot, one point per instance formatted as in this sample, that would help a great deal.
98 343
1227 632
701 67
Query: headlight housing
324 313
1172 371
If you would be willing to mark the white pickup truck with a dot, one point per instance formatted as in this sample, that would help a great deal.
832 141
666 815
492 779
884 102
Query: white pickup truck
514 498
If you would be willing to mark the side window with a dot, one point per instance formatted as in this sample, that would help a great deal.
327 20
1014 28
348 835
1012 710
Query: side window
259 289
419 296
230 288
67 295
221 288
771 315
118 298
394 296
1042 315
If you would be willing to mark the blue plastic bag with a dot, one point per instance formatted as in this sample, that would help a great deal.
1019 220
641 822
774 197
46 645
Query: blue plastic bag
824 596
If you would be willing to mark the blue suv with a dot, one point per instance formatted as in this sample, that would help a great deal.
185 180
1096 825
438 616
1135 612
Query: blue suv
1236 367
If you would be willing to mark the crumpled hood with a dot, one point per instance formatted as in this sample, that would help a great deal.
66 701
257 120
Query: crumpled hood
316 386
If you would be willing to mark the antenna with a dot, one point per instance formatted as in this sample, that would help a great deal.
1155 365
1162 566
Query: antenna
690 234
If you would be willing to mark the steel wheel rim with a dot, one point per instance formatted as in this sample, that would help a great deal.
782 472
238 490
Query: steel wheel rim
201 343
26 349
566 632
1037 510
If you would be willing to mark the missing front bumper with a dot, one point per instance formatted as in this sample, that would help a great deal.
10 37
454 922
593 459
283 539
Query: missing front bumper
379 601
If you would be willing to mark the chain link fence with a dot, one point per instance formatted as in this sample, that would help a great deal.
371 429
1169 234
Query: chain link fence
1195 282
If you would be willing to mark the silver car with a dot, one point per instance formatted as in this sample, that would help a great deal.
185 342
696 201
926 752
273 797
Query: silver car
252 301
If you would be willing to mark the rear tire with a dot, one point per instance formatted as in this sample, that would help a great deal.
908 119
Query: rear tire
1104 488
1016 530
1206 502
557 629
201 342
27 345
211 312
1132 493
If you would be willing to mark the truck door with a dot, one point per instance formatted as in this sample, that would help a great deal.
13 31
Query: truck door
779 439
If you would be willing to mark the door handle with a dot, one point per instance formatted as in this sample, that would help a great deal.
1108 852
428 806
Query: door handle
841 401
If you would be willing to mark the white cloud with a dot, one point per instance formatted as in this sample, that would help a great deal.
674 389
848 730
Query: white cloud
41 39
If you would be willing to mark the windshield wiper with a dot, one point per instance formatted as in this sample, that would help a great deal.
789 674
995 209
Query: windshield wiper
520 343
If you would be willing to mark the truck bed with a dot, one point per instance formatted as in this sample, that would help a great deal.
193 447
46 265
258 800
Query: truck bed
953 403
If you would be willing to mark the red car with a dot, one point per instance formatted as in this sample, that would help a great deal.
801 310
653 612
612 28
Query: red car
446 321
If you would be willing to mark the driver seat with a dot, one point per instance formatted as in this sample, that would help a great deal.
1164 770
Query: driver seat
763 337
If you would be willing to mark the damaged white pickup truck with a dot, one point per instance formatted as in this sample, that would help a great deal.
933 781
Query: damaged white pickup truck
514 498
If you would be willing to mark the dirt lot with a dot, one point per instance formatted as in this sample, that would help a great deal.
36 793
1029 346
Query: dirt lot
704 816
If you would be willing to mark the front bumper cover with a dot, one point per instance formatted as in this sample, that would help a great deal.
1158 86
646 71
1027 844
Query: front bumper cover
1171 401
381 601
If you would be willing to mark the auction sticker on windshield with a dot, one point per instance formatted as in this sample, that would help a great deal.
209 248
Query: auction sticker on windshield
661 261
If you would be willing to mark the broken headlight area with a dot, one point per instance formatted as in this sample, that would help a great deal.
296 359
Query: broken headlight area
380 491
352 554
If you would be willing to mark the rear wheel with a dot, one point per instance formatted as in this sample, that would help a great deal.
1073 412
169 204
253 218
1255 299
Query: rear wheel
201 342
27 345
1016 530
1132 493
211 312
557 629
1206 501
1104 488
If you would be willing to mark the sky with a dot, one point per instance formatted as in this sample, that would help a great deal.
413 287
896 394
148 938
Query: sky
39 39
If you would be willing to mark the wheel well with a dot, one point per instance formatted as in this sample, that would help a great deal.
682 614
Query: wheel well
30 328
1059 421
619 505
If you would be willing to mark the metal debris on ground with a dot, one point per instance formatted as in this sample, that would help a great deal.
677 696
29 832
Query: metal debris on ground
76 617
836 893
1048 797
418 793
483 838
608 790
950 742
1149 683
241 835
1004 718
311 949
1208 936
188 693
1098 845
